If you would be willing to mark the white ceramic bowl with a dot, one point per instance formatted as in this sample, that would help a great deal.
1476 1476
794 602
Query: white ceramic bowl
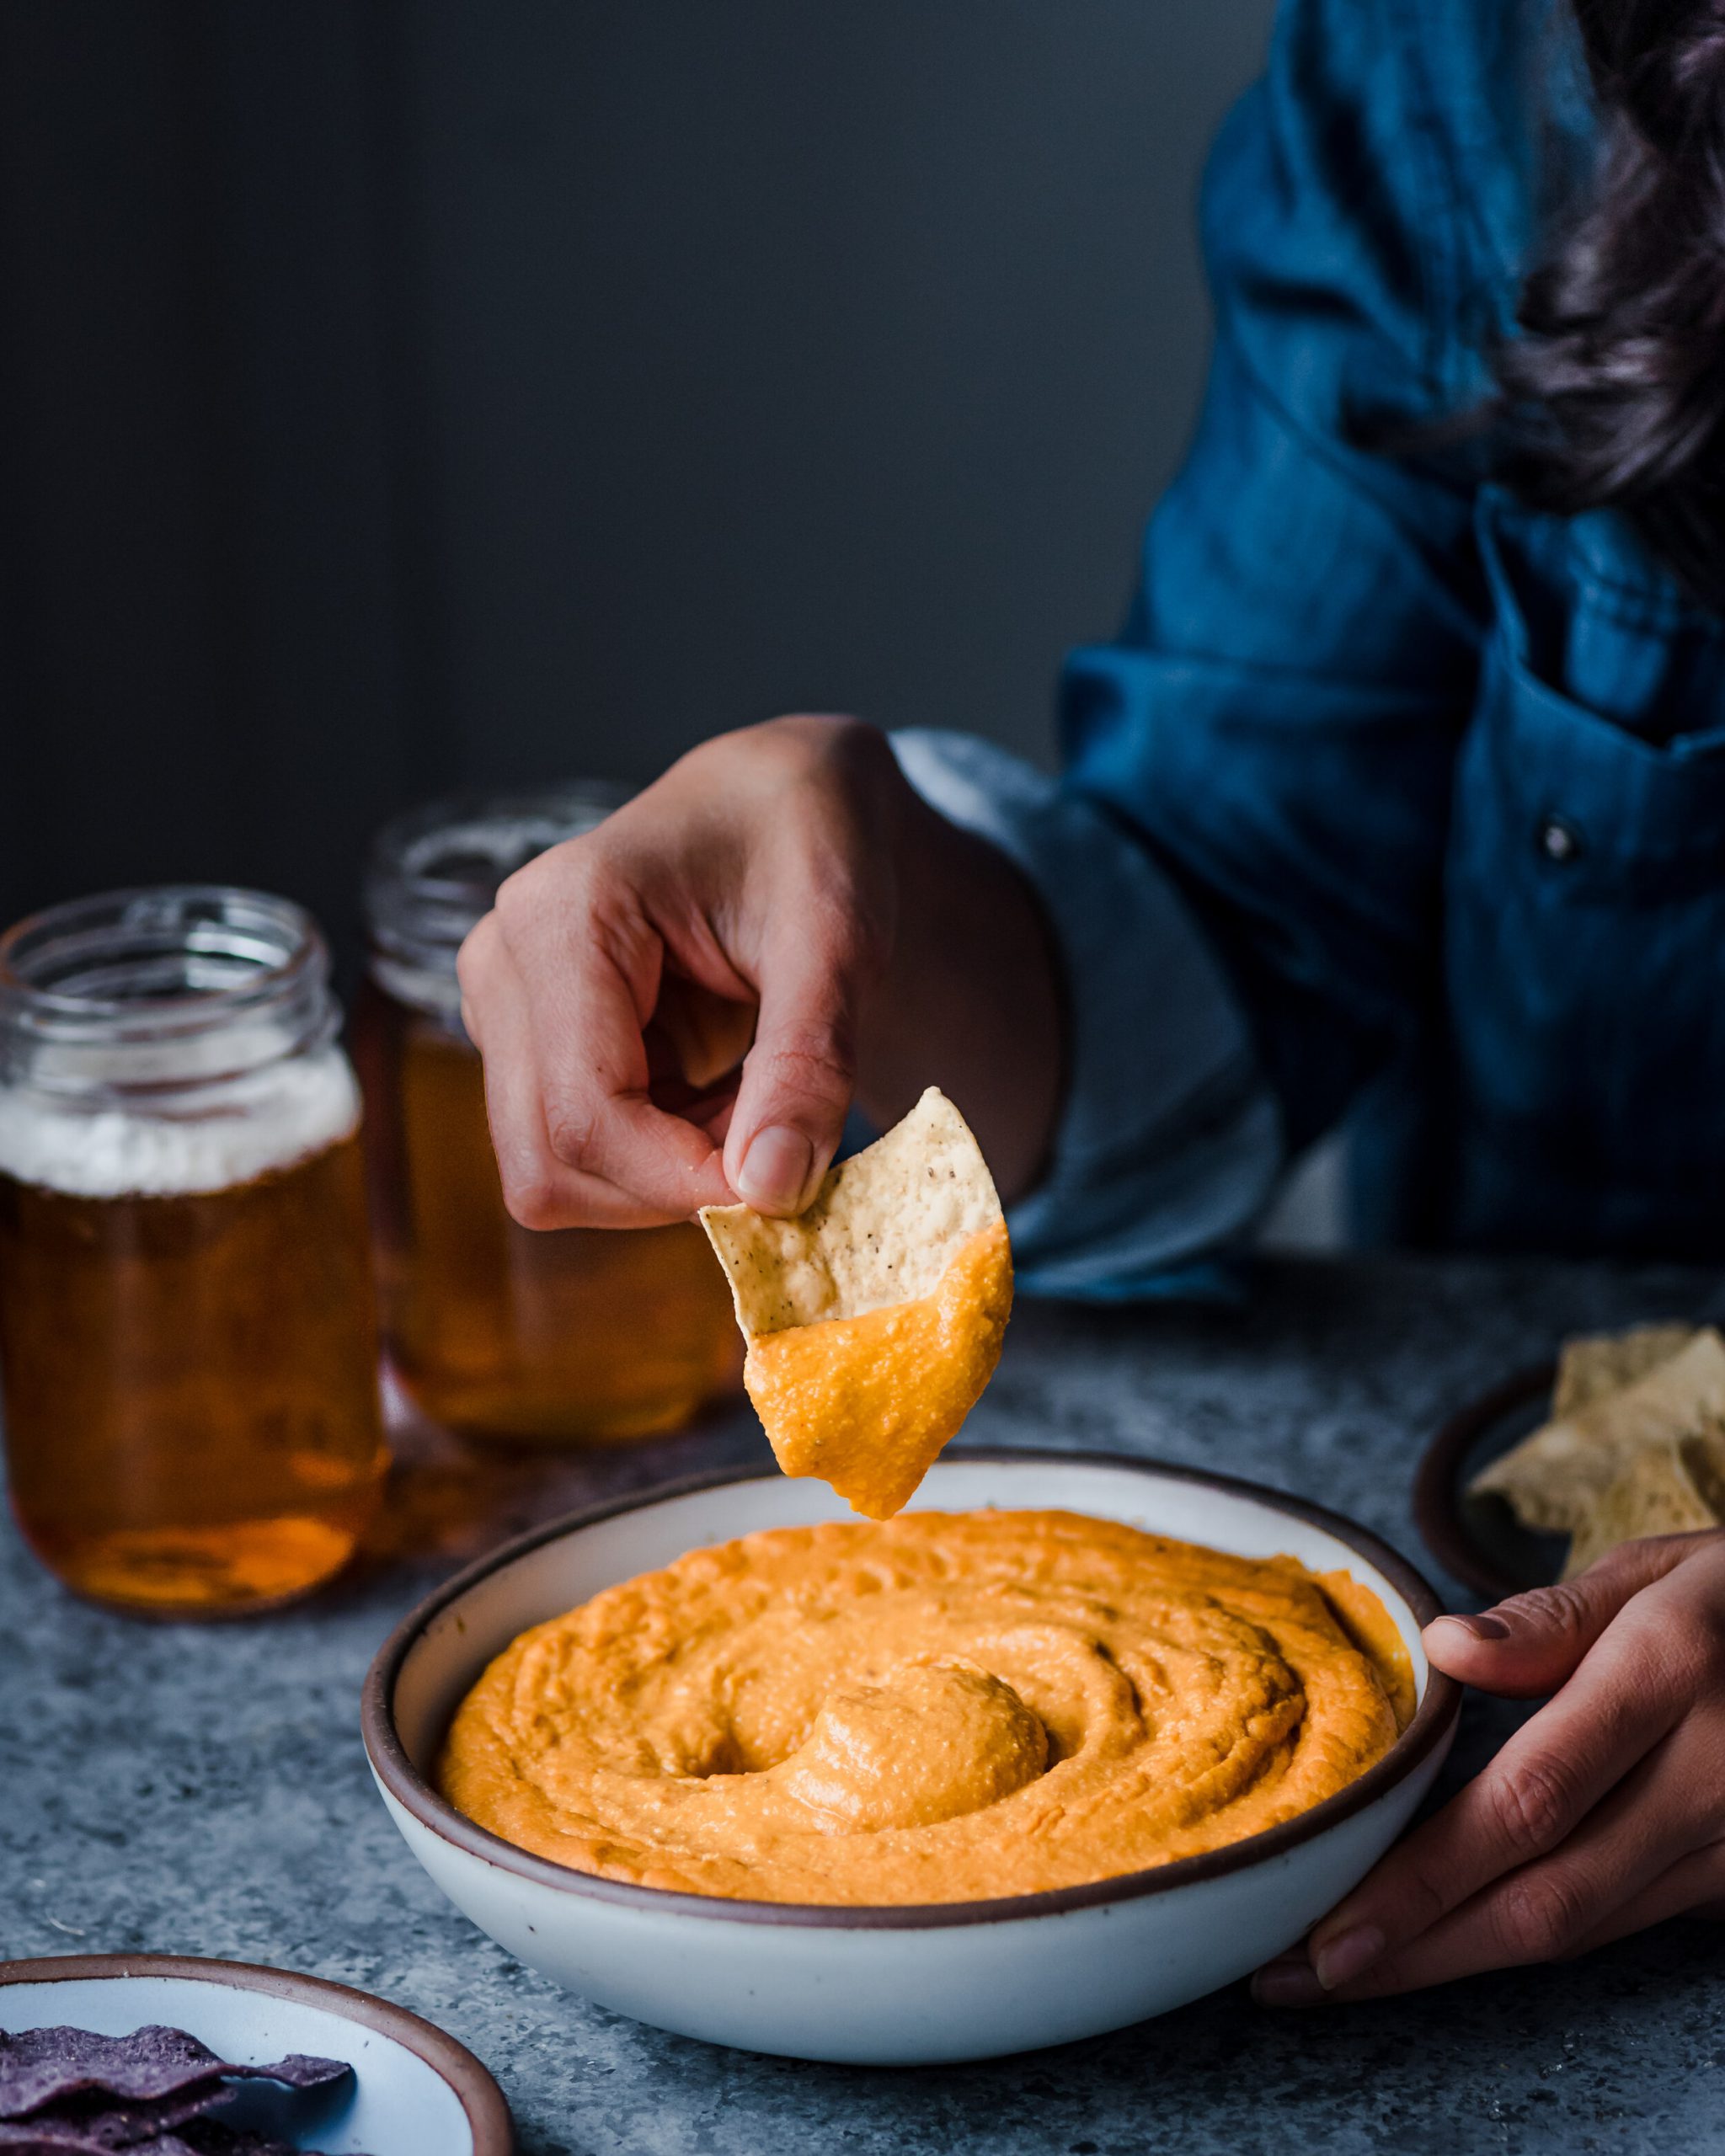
909 1985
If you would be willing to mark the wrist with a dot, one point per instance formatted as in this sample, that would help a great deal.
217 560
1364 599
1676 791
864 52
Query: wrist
970 998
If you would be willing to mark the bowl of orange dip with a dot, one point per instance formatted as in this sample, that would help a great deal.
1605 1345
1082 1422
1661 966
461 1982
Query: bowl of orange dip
1073 1740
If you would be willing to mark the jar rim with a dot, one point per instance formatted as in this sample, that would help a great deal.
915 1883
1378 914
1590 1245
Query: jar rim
419 906
257 951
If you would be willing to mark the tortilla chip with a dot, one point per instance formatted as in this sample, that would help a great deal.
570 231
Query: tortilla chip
1554 1478
73 2092
80 2136
147 2125
1676 1488
1595 1365
868 1403
882 1229
39 2066
874 1319
139 2133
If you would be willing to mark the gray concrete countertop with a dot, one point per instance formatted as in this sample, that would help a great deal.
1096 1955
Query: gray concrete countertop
202 1790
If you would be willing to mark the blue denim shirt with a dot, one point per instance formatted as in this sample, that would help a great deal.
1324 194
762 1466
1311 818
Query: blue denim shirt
1393 800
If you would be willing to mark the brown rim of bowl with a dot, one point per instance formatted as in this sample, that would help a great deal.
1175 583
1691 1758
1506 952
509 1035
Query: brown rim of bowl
481 2100
1435 1512
1433 1720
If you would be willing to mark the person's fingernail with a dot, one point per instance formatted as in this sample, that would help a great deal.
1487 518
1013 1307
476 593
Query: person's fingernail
775 1170
1486 1627
1290 1982
1340 1960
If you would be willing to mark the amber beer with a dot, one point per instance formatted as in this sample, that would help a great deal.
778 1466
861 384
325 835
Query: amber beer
493 1328
187 1340
569 1335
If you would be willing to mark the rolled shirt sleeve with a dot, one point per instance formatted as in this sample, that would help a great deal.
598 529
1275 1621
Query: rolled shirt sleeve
1169 1141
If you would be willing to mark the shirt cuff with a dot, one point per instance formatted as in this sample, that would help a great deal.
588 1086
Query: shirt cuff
1169 1140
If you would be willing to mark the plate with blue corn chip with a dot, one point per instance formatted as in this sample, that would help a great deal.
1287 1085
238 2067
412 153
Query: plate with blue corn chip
155 2055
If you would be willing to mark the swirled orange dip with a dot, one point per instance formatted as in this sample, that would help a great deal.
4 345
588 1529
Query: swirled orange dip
941 1707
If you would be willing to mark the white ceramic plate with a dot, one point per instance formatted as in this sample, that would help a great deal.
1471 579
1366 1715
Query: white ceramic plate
907 1985
415 2091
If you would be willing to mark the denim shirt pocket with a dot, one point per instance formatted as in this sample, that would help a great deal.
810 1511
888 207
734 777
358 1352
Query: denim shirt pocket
1629 820
1584 942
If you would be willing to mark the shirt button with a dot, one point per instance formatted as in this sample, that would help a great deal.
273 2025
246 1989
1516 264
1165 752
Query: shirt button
1560 841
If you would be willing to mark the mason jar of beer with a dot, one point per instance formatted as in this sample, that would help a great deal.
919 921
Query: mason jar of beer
187 1352
569 1335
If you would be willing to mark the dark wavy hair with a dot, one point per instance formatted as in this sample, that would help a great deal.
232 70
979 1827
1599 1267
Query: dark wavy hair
1613 394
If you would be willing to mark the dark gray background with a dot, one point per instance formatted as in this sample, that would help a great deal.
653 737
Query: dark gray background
410 393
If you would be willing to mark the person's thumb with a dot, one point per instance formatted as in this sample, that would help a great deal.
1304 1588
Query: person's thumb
797 1078
1532 1644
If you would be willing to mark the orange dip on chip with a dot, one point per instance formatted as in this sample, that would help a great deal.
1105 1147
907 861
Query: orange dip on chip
866 1403
942 1707
874 1318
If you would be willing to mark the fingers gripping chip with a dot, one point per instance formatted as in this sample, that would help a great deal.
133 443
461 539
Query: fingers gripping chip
874 1318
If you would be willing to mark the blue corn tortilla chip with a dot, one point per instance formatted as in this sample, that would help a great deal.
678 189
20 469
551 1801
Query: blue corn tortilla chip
95 2133
142 2124
91 2133
298 2070
53 2138
111 2133
88 2137
71 2092
82 2137
44 2067
39 2066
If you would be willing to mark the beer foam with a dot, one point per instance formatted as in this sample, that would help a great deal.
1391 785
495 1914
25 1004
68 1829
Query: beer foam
223 1135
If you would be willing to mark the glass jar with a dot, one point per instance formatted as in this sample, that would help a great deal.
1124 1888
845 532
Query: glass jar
188 1346
568 1335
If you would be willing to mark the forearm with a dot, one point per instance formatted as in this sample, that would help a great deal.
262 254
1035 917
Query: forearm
971 999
